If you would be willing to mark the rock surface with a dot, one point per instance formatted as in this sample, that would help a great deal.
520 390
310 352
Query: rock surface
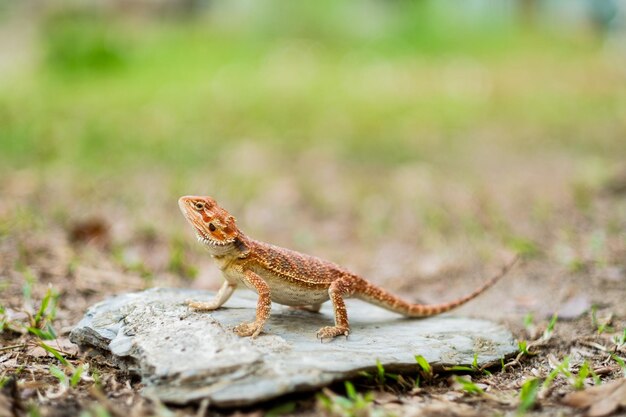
184 356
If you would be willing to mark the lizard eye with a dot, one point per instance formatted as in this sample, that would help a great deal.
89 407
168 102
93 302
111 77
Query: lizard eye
199 205
212 227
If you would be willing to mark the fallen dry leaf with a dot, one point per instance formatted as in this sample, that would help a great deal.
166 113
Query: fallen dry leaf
602 400
91 231
62 344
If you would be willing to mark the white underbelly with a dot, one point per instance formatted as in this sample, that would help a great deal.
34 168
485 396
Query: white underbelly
295 295
291 294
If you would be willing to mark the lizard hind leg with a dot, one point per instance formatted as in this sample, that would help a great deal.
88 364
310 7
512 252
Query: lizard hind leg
338 290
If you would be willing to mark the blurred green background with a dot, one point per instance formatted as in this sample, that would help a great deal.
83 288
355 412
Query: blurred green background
174 83
406 120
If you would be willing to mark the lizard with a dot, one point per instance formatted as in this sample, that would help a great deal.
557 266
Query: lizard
290 278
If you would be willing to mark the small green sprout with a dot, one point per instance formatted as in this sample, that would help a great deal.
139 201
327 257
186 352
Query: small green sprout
528 320
382 375
576 264
350 390
522 345
380 378
54 353
27 288
461 368
49 300
600 327
550 329
71 381
528 396
279 410
56 372
621 362
380 372
4 321
97 378
562 368
40 324
76 372
76 375
585 371
524 247
427 370
473 368
353 404
468 386
34 411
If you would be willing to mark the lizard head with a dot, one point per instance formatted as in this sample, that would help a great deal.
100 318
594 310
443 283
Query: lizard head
214 226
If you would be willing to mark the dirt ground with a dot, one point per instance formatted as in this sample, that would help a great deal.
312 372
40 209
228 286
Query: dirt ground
573 263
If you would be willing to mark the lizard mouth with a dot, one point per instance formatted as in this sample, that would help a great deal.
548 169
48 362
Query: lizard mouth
202 238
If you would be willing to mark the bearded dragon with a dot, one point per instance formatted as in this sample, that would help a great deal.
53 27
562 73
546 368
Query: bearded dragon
288 277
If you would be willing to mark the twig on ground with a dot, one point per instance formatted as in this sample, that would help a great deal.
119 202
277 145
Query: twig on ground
536 343
2 349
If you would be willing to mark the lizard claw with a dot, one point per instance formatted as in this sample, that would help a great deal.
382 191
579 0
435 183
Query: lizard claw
249 329
202 306
330 332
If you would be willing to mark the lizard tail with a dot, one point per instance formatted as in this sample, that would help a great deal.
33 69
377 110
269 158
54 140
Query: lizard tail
378 296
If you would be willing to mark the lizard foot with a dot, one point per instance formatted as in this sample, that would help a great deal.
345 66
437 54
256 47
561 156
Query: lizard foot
330 332
249 329
200 306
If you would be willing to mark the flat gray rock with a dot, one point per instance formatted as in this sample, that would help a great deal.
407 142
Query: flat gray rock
185 356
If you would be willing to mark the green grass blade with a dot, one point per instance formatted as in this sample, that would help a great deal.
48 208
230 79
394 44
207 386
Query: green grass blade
54 353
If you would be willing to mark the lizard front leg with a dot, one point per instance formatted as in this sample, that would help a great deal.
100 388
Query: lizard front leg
337 291
224 293
263 307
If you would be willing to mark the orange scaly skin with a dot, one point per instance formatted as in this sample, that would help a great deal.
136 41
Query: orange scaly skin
288 277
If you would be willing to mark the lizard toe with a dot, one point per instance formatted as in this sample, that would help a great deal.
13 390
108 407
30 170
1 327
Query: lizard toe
330 332
201 306
248 329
